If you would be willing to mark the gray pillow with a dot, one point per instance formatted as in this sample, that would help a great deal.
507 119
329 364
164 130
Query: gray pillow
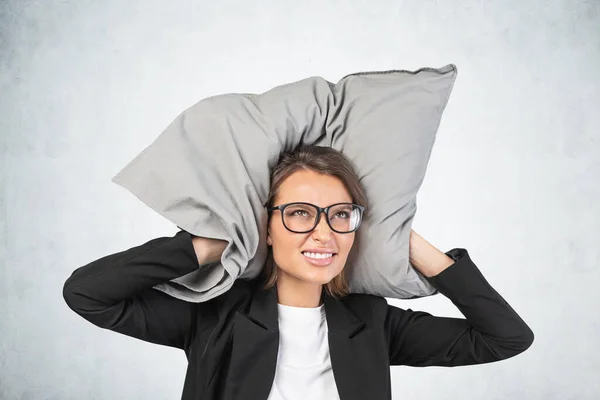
208 172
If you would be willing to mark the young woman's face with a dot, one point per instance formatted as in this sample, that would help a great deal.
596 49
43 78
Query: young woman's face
289 247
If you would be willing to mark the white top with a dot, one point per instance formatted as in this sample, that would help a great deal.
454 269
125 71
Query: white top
303 365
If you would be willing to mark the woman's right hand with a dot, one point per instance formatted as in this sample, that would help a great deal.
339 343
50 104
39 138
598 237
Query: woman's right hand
208 250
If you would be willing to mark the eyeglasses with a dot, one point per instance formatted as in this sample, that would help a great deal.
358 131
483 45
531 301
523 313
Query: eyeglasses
300 217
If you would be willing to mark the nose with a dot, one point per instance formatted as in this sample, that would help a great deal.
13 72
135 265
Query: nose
322 231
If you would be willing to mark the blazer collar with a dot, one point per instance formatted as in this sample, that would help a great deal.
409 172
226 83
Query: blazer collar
340 320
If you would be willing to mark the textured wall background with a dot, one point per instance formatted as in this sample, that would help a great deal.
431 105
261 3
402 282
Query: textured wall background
514 176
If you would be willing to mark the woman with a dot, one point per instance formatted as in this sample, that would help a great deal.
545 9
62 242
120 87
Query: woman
295 332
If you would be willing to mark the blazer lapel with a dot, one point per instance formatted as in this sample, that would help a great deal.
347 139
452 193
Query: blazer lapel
255 349
358 358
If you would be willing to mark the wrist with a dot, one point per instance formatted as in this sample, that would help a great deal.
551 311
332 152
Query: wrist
426 258
208 250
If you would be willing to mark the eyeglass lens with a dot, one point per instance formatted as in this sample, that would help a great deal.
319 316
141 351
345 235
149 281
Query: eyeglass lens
303 217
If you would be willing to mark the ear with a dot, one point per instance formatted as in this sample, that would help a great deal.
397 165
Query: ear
269 241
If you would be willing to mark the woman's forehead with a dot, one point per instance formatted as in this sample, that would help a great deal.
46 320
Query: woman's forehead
311 187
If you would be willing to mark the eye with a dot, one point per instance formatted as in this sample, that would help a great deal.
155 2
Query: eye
299 213
342 214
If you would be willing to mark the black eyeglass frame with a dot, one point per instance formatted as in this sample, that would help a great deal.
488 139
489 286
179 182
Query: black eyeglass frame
320 210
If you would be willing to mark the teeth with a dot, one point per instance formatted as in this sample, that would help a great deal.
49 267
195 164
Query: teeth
317 255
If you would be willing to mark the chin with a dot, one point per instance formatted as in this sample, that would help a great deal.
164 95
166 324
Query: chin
322 277
306 272
322 281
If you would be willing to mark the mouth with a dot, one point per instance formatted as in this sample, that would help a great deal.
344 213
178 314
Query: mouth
319 259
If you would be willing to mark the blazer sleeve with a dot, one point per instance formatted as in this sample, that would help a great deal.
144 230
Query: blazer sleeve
115 292
492 330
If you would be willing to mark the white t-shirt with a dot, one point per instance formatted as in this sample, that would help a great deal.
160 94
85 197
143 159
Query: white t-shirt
303 365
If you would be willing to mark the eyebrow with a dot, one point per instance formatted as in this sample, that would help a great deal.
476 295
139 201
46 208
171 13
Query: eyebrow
300 201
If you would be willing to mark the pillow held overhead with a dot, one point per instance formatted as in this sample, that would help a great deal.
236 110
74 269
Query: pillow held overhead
208 172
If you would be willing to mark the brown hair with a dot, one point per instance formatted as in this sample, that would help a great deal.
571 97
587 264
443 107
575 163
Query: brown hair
326 161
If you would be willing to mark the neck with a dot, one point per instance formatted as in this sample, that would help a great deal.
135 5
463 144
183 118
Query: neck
297 293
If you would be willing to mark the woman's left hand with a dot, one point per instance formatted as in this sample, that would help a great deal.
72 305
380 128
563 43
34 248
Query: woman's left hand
425 257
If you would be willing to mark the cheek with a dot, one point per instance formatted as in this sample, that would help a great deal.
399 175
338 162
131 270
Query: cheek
286 252
345 243
285 243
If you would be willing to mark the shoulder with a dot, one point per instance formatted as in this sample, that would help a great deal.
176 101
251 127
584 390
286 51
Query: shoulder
239 294
366 306
364 300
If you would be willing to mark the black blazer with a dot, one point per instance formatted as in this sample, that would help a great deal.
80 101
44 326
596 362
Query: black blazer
231 341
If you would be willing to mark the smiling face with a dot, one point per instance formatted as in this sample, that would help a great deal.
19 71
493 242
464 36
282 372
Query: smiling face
289 248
